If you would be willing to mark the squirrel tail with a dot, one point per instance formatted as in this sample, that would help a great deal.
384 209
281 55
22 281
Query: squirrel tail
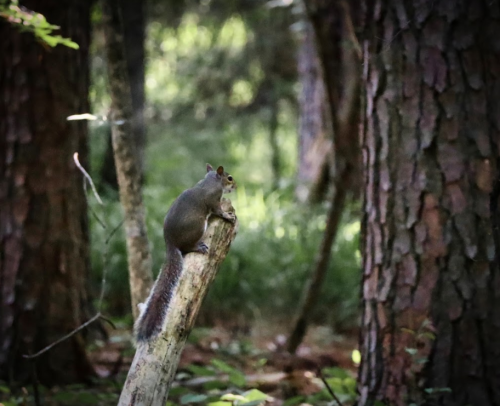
150 321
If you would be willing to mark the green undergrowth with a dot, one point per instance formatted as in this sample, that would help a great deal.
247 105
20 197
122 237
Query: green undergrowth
266 268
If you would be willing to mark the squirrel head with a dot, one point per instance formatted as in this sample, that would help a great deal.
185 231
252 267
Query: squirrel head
228 182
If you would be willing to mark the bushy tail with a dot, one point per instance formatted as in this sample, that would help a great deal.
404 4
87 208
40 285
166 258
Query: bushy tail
151 320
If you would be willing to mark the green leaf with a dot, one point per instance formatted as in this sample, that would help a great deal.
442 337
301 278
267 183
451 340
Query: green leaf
411 351
220 403
200 371
296 400
4 389
214 385
255 394
232 397
429 335
437 390
336 372
222 366
178 391
193 398
237 379
252 403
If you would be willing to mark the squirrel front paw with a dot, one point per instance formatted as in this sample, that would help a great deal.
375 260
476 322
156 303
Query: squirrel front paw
202 248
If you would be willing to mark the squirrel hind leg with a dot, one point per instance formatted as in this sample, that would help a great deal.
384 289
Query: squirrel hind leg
201 247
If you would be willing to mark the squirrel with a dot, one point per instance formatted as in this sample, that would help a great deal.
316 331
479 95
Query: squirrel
184 226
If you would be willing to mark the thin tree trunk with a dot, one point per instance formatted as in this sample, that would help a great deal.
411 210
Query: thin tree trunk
315 283
134 27
431 141
44 240
127 166
155 362
273 138
315 127
342 81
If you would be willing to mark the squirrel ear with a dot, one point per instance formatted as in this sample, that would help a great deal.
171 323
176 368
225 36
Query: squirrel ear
209 168
220 170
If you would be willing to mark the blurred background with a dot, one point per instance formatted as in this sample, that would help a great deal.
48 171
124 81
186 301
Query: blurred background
231 83
222 86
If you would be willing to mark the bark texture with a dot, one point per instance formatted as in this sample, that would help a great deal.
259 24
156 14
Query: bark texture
44 242
127 165
155 362
431 147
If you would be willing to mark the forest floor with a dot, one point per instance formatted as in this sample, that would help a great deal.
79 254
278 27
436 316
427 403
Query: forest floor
224 366
218 361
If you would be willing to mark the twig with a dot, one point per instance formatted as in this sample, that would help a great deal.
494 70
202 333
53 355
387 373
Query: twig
108 321
76 330
87 176
328 387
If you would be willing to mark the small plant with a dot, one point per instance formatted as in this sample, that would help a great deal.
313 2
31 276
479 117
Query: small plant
223 385
418 354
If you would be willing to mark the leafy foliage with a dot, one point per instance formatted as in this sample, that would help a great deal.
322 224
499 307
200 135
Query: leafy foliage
30 21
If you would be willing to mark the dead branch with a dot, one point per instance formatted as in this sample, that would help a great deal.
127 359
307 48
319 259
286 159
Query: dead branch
155 362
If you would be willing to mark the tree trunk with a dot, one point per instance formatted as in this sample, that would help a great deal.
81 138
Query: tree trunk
273 137
333 26
431 142
127 165
44 260
315 129
134 31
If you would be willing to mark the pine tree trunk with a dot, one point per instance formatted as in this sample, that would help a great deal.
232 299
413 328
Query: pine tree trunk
44 241
431 142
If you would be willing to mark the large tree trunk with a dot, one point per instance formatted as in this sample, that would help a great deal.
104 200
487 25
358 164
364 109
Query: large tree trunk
431 142
44 260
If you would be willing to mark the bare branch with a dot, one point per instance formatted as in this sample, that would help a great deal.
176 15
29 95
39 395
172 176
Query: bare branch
88 322
87 176
155 361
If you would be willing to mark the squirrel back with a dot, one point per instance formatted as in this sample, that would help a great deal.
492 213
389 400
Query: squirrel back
184 226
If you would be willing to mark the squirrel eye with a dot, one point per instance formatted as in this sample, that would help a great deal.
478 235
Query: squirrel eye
230 178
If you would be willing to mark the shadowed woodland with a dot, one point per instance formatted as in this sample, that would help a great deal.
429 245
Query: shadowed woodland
361 140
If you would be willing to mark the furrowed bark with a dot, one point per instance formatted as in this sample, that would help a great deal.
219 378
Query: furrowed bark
44 241
431 144
155 362
127 166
